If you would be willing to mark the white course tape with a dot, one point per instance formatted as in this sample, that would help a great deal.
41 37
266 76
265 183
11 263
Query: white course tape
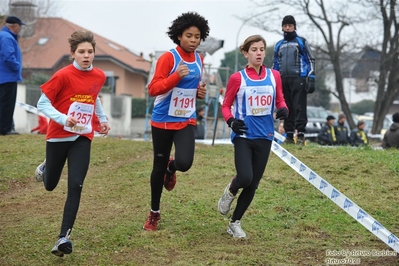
337 197
334 194
29 108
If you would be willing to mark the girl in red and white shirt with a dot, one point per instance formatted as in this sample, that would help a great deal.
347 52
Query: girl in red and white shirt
70 99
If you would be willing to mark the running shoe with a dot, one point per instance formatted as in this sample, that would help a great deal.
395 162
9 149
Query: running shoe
152 221
63 245
40 171
235 229
224 204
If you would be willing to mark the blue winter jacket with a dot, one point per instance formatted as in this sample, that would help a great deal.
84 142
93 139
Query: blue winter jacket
294 58
10 57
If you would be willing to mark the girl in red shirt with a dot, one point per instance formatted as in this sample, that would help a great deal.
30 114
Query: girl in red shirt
70 100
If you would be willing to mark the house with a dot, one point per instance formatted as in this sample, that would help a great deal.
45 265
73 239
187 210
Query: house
45 49
360 72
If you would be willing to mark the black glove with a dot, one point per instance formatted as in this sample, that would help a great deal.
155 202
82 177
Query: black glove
282 113
310 85
238 126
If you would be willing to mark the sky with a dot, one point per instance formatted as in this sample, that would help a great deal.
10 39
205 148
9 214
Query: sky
141 25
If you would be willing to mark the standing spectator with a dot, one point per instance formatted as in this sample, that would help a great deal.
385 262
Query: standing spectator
70 99
342 131
358 136
391 137
200 126
252 94
176 85
296 64
327 135
10 73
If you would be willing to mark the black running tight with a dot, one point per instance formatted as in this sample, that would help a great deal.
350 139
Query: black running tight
162 141
250 158
78 154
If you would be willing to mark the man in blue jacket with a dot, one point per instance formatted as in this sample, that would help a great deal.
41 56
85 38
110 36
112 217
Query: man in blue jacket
10 72
296 64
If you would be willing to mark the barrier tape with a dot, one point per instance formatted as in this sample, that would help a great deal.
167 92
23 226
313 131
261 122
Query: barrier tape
29 108
336 196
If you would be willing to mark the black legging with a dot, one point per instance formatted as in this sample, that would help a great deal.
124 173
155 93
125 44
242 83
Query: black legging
295 96
162 141
78 154
250 158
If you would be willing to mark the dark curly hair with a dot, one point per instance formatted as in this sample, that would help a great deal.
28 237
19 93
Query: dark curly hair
185 21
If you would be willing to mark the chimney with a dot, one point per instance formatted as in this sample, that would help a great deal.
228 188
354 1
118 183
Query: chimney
26 11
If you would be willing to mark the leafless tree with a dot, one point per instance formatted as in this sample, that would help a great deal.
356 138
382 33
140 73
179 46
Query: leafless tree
388 80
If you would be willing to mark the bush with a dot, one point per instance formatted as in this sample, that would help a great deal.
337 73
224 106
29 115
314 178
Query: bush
363 107
139 107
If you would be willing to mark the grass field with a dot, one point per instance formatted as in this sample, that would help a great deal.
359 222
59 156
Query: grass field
289 222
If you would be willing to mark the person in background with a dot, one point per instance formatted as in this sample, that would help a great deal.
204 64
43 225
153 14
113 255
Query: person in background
200 126
70 99
176 85
248 107
42 127
341 131
280 129
296 64
10 73
96 120
327 134
391 136
358 137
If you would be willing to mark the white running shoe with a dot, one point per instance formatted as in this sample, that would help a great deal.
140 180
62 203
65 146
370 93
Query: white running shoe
40 171
224 204
235 229
63 246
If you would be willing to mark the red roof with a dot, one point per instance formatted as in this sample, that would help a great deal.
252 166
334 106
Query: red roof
49 44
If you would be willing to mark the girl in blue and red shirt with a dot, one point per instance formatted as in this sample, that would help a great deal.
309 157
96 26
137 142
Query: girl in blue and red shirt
176 85
248 107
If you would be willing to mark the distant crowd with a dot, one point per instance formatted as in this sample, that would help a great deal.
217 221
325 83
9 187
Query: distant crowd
333 134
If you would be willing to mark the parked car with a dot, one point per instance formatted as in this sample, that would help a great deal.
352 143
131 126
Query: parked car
316 118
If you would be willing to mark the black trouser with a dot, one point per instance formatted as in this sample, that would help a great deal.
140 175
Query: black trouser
250 158
295 96
78 154
8 97
162 141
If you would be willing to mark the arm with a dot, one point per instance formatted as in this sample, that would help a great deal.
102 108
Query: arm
280 101
8 54
310 59
162 80
232 87
201 91
100 111
276 65
44 105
